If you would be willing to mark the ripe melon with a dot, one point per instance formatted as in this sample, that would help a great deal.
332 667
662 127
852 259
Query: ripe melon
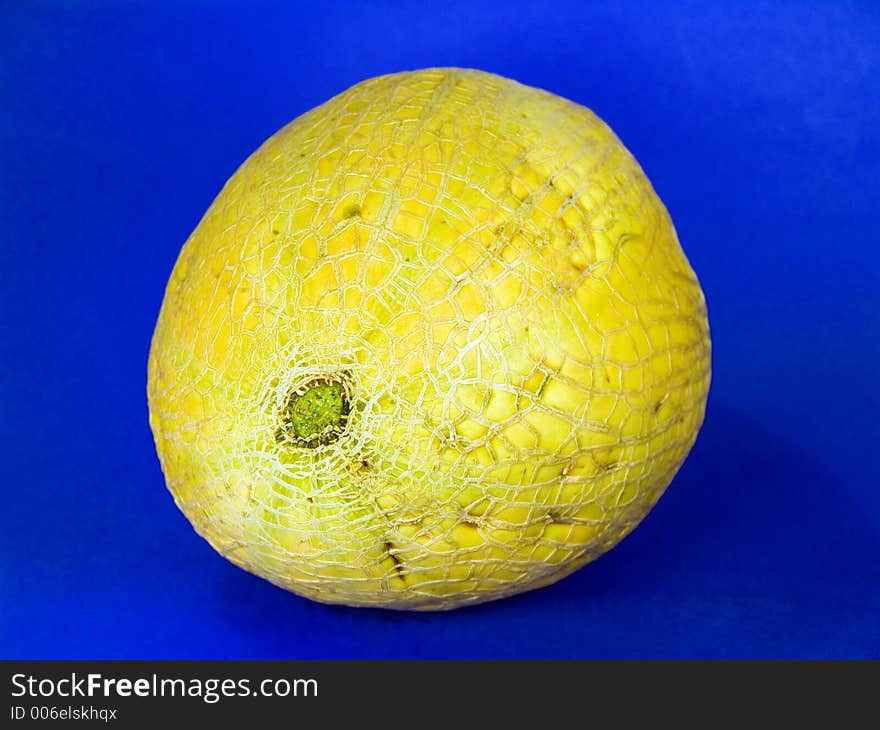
434 343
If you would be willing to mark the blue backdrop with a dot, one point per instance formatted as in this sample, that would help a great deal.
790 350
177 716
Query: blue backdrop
758 125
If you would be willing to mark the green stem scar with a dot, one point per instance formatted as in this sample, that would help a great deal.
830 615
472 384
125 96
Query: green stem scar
315 416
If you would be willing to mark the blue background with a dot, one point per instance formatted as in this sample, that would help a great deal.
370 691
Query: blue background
758 125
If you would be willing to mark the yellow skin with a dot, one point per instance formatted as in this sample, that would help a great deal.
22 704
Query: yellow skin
484 274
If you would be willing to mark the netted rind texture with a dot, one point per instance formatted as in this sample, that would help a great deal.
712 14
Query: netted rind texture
486 272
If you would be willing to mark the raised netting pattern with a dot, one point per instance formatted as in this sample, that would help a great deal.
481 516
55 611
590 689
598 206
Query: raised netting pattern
487 275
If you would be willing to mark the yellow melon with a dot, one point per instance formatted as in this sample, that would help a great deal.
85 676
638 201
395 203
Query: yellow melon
434 343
